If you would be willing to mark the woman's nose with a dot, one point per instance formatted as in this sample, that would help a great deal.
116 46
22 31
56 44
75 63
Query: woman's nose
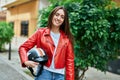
58 17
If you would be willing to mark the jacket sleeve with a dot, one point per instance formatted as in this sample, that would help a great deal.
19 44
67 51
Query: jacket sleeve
26 46
70 62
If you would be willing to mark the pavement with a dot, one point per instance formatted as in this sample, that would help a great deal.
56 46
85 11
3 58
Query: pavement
12 70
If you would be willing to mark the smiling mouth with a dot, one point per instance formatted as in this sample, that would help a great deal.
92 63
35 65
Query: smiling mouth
57 21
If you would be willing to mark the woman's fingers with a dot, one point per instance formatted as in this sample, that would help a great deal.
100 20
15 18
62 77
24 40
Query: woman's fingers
31 63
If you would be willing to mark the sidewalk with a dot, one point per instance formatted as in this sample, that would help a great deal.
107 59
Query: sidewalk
93 74
13 65
11 69
9 72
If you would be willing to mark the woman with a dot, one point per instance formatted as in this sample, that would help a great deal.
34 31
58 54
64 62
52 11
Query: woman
56 40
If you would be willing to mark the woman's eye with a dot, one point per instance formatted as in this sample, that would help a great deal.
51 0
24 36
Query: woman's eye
57 14
62 17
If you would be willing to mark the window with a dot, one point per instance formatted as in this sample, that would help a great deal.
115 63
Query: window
24 28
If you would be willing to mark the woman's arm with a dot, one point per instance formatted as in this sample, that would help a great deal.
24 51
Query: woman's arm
70 62
26 46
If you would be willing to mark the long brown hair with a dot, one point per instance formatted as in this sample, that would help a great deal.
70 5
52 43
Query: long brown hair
65 27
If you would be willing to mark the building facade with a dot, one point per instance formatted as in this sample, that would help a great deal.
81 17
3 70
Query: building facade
3 10
23 14
3 15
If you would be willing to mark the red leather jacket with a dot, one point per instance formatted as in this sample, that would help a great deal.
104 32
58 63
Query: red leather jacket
64 54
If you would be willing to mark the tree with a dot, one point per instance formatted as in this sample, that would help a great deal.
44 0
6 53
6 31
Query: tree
6 34
95 25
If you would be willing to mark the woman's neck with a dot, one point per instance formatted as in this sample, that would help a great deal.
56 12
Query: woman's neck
55 30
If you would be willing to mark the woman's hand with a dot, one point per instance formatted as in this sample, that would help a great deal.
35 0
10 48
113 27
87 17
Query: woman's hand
31 64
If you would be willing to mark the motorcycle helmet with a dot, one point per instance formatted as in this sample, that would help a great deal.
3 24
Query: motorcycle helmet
37 55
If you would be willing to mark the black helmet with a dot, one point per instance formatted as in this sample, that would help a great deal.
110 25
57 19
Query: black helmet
37 55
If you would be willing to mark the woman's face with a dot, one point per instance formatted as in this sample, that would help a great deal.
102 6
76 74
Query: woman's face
58 18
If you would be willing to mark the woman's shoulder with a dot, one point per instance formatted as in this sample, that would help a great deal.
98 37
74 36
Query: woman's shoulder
63 34
65 37
42 28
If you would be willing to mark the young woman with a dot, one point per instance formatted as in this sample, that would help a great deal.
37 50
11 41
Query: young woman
56 40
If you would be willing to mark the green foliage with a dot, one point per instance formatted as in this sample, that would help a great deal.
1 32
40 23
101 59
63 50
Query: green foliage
91 26
113 17
6 33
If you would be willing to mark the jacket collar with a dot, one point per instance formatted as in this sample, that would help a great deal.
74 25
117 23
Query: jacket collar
47 32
